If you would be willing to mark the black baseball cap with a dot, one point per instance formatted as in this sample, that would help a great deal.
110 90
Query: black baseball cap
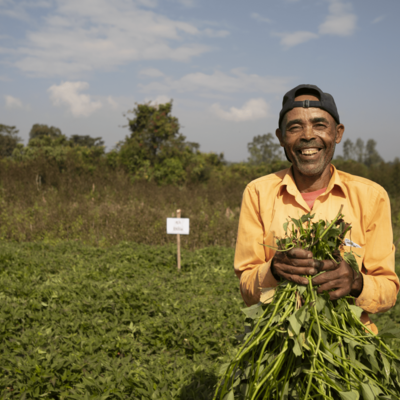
326 101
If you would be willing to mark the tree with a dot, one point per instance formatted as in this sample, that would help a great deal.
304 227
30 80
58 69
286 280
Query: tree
40 130
263 150
395 184
348 150
154 138
371 154
359 150
155 130
86 140
9 140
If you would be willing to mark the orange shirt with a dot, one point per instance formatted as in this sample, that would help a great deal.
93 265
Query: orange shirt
269 200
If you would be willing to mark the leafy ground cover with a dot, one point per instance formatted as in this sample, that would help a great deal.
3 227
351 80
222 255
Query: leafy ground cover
81 322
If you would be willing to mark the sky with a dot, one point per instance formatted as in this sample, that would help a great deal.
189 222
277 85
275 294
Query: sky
81 65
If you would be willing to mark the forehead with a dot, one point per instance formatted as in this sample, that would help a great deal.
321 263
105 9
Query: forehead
307 114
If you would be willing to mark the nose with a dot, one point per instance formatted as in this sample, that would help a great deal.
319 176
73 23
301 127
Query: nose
308 132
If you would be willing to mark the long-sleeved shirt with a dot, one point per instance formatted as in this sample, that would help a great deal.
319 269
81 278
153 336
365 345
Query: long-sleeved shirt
270 200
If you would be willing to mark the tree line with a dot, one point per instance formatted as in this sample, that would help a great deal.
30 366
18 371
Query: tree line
155 150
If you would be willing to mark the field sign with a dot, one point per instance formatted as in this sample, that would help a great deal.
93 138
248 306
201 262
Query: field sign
178 226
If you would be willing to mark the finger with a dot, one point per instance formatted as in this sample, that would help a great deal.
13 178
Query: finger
326 277
295 278
329 265
299 253
293 270
338 294
311 263
328 286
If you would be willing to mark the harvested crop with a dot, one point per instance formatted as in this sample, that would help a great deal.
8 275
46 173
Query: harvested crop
302 345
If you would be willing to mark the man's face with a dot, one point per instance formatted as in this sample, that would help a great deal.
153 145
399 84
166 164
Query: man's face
309 136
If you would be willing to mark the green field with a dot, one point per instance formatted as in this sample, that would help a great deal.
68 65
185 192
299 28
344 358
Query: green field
80 322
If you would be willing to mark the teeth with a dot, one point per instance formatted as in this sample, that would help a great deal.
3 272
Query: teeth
309 151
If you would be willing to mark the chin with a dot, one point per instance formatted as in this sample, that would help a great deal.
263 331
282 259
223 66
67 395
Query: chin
310 169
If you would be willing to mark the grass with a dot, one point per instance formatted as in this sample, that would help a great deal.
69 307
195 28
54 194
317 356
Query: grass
82 322
102 206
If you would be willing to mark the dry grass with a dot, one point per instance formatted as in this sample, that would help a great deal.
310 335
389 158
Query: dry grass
102 206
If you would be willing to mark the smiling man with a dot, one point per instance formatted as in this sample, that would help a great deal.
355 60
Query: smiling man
309 129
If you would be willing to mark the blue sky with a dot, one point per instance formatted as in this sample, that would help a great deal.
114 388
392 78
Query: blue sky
80 64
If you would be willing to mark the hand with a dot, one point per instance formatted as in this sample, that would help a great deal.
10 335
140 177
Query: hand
340 278
290 265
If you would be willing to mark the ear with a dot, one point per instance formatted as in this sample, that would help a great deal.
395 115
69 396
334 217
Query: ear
339 133
279 135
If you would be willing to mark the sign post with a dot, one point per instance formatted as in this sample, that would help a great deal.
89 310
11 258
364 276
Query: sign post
178 242
178 226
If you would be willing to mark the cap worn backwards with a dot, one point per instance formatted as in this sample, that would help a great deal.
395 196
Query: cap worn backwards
326 101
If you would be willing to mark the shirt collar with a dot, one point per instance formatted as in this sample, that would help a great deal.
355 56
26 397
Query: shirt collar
291 187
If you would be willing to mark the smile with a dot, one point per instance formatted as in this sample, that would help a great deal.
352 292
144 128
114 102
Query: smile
310 151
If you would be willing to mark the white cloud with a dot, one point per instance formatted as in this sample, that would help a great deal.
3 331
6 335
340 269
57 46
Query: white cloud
151 72
162 99
252 110
13 102
235 82
378 19
340 21
67 93
80 36
295 38
260 18
20 9
216 33
186 3
114 104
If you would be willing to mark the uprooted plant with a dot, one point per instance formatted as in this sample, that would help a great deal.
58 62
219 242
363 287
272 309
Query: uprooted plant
301 345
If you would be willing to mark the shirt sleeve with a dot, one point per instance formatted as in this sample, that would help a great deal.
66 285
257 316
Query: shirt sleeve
381 283
251 265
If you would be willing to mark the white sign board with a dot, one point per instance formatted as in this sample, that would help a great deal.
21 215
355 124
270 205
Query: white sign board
178 226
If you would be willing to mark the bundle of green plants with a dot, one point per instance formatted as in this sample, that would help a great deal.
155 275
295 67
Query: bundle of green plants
302 345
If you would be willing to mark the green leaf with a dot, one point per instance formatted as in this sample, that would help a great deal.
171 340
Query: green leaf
254 311
296 347
223 368
386 366
361 366
391 330
306 217
356 310
297 222
369 351
320 303
301 315
294 324
367 392
341 308
351 260
229 396
353 395
285 225
302 289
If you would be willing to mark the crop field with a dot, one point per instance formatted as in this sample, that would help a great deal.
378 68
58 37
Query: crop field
81 322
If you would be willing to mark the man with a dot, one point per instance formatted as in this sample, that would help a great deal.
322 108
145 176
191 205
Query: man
309 129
